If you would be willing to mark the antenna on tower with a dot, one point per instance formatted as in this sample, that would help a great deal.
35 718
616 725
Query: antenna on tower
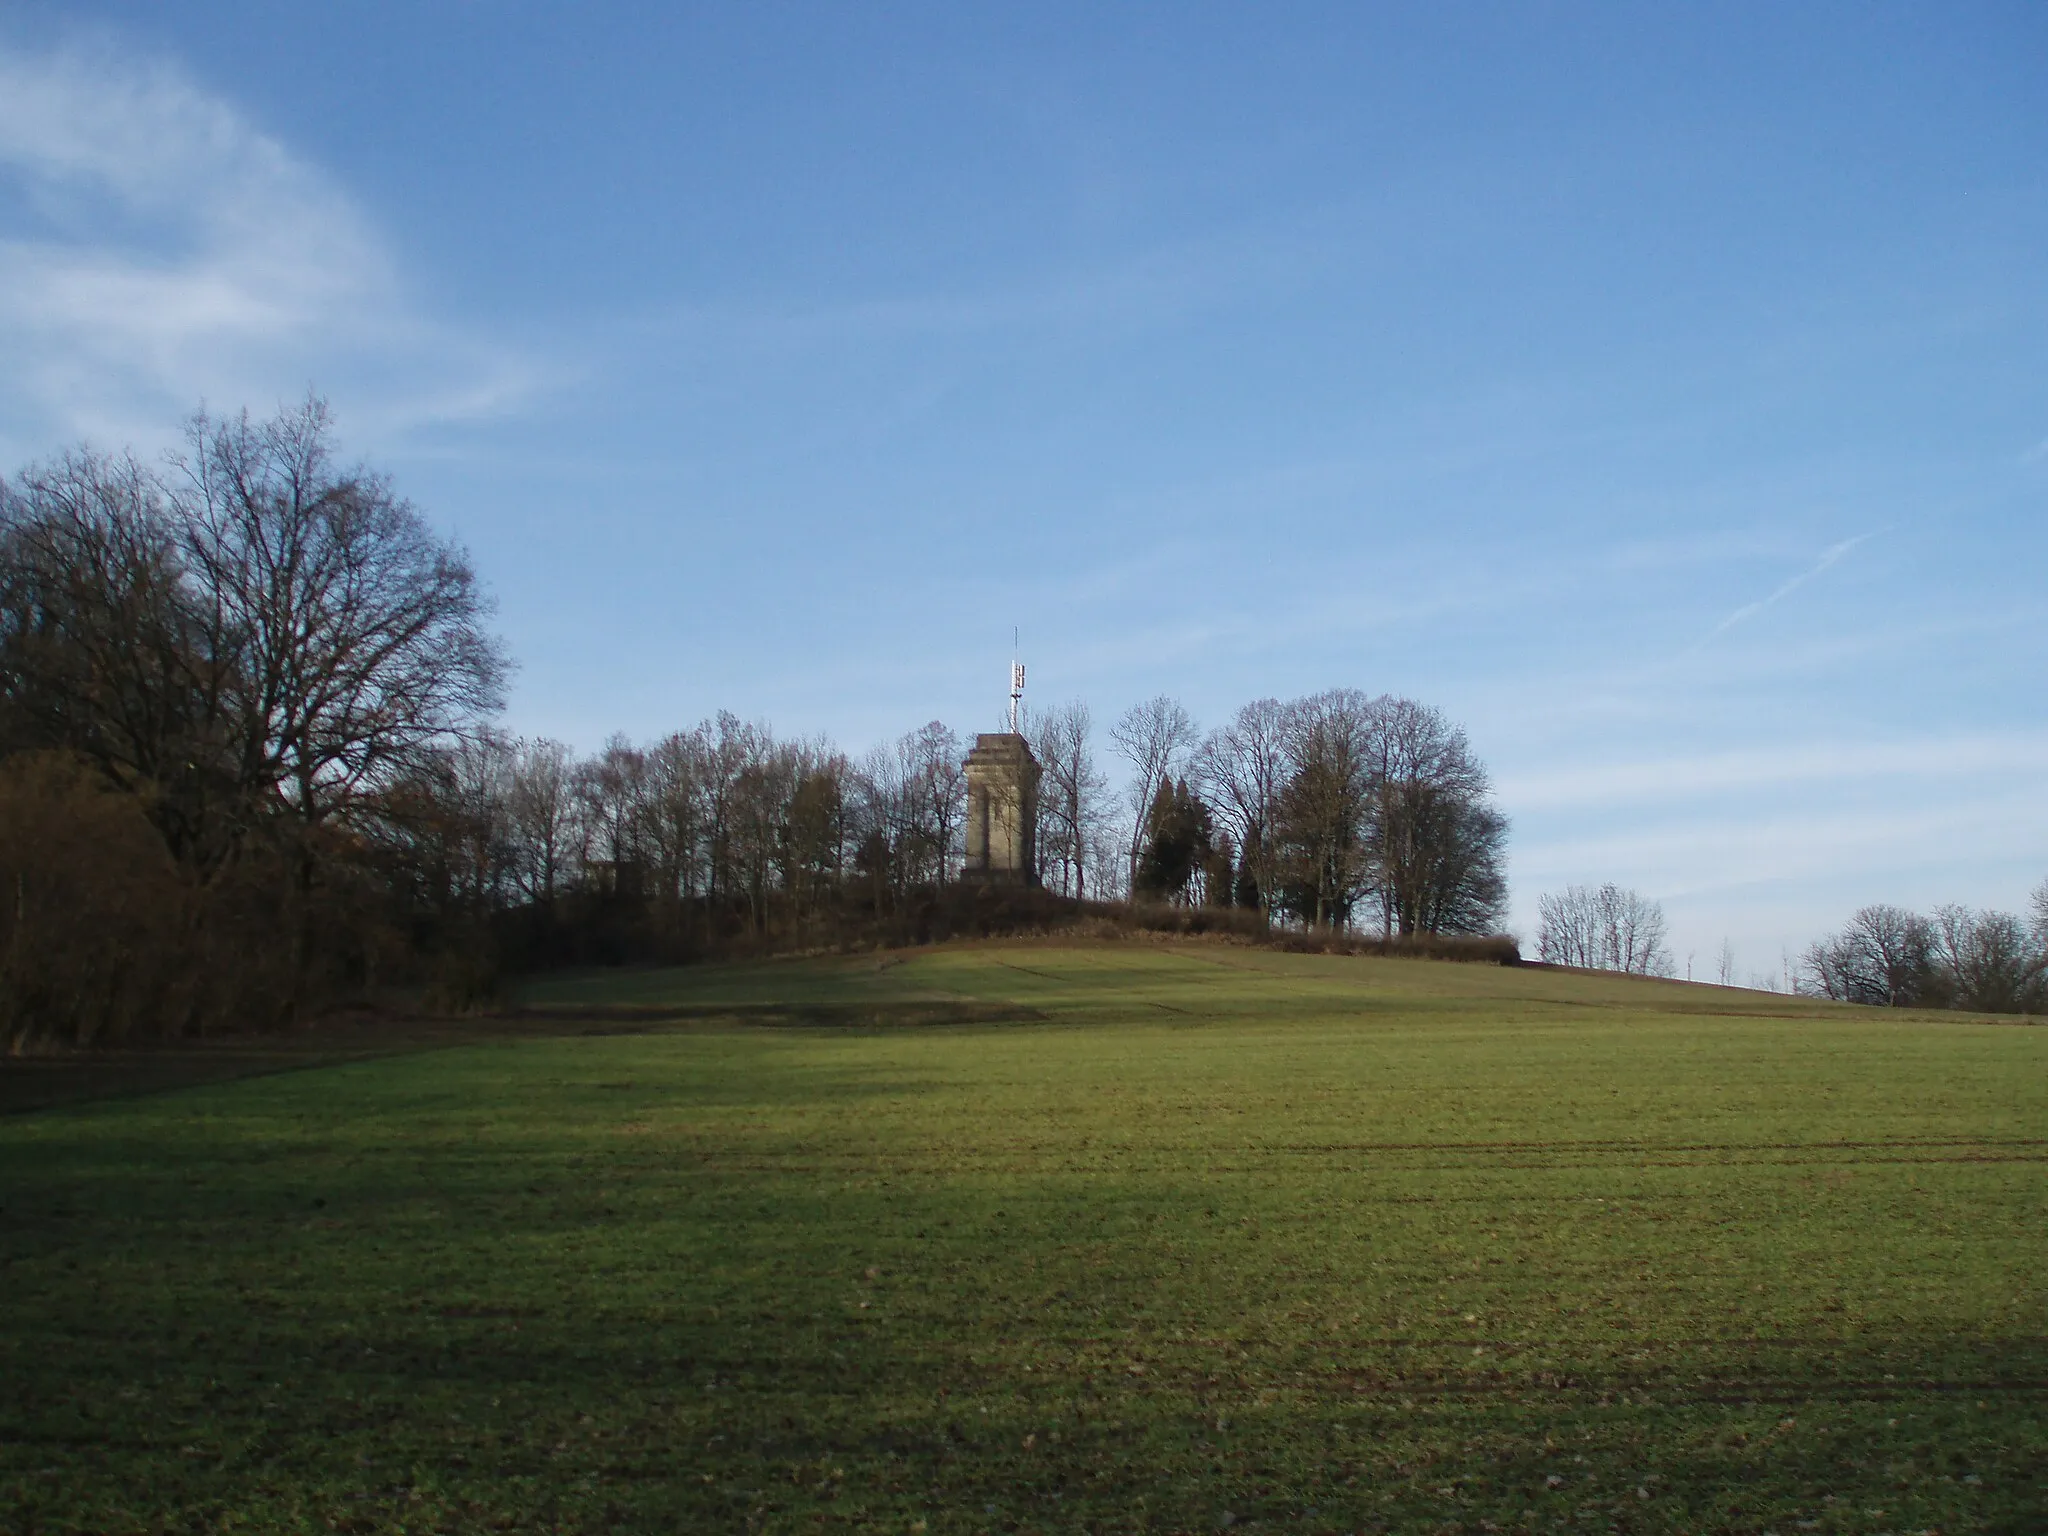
1016 679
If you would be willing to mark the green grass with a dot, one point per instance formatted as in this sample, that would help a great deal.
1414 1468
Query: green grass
1167 1237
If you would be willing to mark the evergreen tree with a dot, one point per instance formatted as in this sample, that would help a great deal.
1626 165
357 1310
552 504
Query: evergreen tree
1246 892
1219 875
1177 843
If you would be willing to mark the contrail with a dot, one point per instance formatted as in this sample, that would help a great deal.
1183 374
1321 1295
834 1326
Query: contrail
1748 610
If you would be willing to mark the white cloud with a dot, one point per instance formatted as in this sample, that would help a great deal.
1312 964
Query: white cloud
162 250
1774 882
1939 760
1700 855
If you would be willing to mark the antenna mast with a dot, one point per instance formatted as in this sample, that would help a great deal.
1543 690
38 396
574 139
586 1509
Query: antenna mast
1016 680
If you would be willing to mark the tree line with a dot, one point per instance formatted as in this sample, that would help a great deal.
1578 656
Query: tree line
249 766
1318 814
1954 957
1886 956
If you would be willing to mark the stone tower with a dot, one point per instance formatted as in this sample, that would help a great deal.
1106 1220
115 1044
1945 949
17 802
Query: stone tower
1002 810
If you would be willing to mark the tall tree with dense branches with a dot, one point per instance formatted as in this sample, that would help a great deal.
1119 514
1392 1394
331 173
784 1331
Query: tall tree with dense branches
347 636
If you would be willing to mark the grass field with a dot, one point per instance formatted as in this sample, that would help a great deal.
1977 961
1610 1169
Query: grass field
1023 1237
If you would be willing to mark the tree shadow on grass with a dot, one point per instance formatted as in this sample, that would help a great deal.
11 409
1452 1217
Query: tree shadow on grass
597 1346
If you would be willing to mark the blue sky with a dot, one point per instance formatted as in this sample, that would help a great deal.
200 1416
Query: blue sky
1659 390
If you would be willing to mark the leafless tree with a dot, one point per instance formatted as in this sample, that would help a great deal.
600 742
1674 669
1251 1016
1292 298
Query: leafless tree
874 810
1105 856
278 659
345 636
1323 807
611 793
1241 769
1885 957
1959 957
908 809
936 776
1604 928
1384 799
1568 927
1069 795
672 814
1436 840
541 808
730 746
1992 960
479 792
817 826
1636 935
1155 738
757 822
100 650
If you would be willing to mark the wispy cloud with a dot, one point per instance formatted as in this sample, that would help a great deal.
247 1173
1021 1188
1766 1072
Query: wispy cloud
1875 849
1776 844
1828 557
165 250
1949 760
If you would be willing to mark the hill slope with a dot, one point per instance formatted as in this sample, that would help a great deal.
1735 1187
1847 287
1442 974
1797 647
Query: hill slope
1044 1237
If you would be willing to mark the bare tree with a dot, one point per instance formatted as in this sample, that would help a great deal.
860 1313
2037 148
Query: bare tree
1241 770
1885 958
266 632
758 820
1105 855
346 636
672 816
908 809
1383 798
935 772
1437 843
814 846
730 747
100 650
1992 960
1568 927
282 663
1636 935
875 811
1322 810
1069 795
479 791
610 790
1603 928
1987 962
541 807
1155 738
